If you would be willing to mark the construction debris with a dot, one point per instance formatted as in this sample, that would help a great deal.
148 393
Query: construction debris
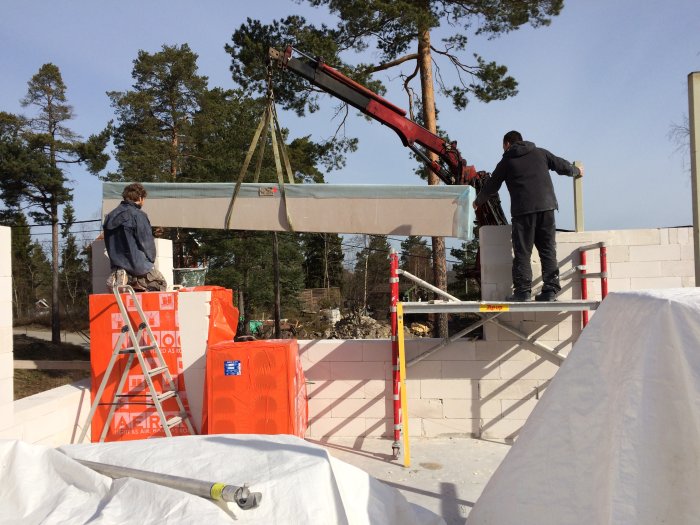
358 327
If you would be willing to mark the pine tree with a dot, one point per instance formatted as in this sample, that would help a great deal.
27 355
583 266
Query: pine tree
415 259
401 33
33 155
323 260
75 276
170 100
467 279
370 286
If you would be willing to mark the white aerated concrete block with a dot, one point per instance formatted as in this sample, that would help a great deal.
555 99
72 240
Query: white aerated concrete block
335 350
336 427
668 252
450 427
100 266
329 390
164 259
318 372
494 235
457 408
380 428
8 429
648 283
470 370
364 408
426 408
518 370
6 393
376 350
448 389
518 409
508 389
353 370
6 365
6 337
5 251
6 291
507 429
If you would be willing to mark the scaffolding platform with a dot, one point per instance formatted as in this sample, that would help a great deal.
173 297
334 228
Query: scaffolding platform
452 307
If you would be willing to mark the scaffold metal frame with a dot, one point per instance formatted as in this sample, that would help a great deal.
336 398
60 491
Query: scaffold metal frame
489 311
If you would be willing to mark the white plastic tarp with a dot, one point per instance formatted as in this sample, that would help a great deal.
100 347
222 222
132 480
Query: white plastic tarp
616 437
300 484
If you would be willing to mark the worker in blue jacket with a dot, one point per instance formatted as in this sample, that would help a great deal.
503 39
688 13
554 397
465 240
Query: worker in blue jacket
525 170
130 244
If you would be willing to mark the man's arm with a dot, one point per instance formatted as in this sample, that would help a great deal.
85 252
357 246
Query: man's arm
561 166
491 186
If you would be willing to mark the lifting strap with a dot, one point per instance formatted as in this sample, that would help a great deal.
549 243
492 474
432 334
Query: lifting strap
269 121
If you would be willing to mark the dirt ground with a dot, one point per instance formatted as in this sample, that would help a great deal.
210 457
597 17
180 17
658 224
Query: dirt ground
30 382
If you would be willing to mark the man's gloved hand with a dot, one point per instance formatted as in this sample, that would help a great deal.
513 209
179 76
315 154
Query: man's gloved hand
578 165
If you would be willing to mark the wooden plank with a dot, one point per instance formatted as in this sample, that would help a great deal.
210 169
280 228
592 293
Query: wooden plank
21 364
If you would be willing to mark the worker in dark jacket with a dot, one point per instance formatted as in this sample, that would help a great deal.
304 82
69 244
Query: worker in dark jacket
525 170
130 244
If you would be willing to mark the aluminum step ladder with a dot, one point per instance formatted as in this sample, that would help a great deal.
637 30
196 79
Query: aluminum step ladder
137 349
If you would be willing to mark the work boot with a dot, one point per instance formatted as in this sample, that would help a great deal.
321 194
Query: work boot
518 297
546 296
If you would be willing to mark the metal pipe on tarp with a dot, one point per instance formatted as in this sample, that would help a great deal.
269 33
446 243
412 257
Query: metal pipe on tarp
240 495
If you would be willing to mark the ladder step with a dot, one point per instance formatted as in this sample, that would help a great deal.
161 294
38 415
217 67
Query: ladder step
167 395
174 421
131 349
157 370
151 397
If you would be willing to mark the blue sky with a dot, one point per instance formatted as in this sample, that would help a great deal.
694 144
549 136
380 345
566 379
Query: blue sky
603 84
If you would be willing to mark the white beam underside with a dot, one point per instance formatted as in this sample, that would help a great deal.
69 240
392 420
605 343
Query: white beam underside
438 216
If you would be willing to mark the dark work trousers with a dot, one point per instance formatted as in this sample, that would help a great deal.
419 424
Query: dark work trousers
536 229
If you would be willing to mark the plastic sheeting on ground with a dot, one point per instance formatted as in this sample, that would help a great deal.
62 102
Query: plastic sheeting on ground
616 437
300 484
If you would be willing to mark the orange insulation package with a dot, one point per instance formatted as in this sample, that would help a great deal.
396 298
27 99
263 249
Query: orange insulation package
138 418
255 387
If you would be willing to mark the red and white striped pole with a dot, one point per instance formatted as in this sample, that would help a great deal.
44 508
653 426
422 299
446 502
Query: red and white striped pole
396 376
603 271
584 285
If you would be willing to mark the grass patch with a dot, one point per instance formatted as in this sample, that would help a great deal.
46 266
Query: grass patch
30 382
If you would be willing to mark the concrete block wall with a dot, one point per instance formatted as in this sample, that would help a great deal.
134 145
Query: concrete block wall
6 355
101 267
488 387
483 388
53 418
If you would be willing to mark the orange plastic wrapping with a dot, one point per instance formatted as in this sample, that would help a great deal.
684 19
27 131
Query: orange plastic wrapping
256 387
133 420
223 318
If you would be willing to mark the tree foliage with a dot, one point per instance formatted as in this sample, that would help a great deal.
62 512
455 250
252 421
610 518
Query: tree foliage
242 261
323 260
215 128
369 286
31 270
35 151
416 259
390 30
74 271
467 271
399 34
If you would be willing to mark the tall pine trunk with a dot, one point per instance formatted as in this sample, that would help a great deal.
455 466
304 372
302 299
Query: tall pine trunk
430 123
